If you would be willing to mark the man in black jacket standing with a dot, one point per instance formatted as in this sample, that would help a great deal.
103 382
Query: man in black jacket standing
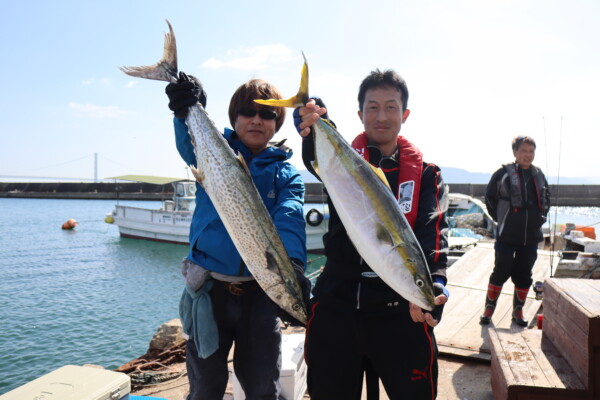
518 199
358 322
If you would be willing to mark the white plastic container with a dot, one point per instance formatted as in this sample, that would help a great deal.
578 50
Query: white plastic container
293 370
73 382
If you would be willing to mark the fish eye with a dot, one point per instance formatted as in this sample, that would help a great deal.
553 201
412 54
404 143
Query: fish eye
296 307
420 283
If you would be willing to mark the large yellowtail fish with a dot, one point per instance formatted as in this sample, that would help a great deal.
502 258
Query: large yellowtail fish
227 182
370 213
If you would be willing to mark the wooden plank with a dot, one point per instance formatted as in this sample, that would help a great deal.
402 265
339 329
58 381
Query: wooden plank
459 332
525 367
565 325
573 309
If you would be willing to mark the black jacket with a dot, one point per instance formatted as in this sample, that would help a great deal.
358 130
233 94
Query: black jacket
520 208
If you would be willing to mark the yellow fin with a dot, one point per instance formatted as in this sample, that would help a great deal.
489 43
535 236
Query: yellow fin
243 162
315 166
299 99
197 174
381 175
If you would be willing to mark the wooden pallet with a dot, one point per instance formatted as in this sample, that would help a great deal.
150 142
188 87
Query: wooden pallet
560 362
572 323
525 367
459 333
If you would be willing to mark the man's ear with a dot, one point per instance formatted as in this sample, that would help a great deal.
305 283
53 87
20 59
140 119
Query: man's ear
405 115
359 115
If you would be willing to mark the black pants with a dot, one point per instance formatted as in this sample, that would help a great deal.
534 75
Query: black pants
403 353
249 320
515 262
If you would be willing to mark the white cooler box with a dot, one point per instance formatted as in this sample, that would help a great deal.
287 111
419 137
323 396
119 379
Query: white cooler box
72 382
293 370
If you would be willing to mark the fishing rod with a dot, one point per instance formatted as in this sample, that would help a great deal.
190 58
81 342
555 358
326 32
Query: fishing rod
557 184
550 230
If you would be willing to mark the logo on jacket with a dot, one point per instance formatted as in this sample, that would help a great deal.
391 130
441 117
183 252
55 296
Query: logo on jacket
271 194
369 274
405 196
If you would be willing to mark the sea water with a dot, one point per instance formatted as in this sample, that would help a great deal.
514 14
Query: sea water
87 296
79 296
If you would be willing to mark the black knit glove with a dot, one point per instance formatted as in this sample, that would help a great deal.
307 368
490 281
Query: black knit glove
184 93
305 286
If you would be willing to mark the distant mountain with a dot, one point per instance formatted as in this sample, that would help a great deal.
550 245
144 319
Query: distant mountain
457 175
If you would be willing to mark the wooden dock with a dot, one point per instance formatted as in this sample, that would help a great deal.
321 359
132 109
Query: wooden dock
459 333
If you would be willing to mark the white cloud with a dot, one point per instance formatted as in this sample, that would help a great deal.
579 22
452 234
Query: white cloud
101 81
131 84
252 58
92 111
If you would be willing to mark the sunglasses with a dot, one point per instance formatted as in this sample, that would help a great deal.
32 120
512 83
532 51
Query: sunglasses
264 114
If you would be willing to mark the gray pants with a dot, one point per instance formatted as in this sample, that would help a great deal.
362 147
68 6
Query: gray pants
246 317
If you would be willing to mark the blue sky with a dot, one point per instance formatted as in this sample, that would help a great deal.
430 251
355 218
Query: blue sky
478 72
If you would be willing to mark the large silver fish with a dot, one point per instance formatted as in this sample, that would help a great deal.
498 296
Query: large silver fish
371 215
227 181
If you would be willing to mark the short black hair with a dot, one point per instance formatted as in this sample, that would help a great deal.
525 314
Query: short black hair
377 79
519 140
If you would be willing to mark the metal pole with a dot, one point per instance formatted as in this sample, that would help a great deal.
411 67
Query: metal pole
95 167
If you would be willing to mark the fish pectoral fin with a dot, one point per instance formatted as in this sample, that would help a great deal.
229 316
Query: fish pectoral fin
315 166
271 262
240 158
381 175
384 235
197 174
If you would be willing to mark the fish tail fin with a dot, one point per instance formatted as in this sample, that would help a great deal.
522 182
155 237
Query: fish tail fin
165 69
299 99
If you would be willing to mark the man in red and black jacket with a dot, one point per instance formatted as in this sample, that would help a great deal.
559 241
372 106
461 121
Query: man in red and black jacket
358 322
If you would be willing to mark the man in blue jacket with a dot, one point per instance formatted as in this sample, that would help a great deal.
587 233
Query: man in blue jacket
241 311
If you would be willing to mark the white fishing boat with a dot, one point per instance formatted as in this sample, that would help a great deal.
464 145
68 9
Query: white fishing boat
171 222
469 224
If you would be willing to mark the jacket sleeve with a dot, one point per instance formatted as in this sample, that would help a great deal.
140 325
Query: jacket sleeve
431 227
288 214
547 194
491 194
308 153
183 142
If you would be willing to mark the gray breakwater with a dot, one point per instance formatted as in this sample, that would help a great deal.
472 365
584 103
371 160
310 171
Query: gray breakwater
562 195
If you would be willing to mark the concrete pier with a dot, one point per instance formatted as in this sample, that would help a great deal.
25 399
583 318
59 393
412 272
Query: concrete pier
562 195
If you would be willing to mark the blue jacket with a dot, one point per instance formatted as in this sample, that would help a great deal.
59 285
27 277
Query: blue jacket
280 187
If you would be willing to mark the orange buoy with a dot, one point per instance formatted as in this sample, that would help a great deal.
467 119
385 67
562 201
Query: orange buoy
70 224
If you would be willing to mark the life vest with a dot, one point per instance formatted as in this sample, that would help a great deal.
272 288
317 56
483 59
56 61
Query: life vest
409 174
514 193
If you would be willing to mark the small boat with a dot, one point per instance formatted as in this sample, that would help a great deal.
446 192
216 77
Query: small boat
171 222
469 224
